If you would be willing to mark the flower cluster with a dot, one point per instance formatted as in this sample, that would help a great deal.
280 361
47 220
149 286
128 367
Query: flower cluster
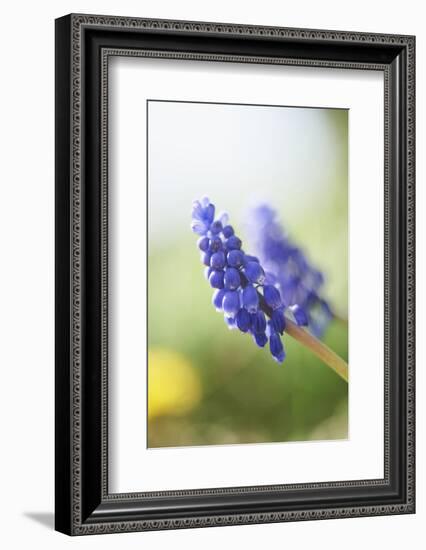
243 290
298 281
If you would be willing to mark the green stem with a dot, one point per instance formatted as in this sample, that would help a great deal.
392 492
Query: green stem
322 351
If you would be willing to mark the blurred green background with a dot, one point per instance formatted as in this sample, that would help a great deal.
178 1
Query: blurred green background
206 384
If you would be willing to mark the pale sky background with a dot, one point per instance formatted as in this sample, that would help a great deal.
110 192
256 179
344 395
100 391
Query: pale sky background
237 155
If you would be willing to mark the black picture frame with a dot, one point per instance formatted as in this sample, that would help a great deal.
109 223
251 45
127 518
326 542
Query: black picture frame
83 45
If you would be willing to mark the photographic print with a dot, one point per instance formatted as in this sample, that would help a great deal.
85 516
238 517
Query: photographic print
247 274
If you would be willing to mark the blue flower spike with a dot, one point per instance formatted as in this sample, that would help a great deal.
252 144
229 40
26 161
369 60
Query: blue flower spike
239 280
287 268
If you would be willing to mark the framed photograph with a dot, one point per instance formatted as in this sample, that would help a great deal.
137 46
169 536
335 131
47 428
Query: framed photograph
234 274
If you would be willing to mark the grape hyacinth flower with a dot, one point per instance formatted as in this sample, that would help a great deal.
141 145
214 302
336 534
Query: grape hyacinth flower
242 291
287 267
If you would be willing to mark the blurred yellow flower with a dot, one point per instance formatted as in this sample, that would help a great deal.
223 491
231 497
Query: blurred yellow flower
174 386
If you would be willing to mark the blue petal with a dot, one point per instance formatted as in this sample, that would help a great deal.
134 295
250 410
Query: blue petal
243 320
205 201
215 244
223 218
218 299
270 278
208 214
248 258
203 243
260 339
197 210
199 227
216 227
276 347
231 302
235 258
250 298
233 243
228 231
217 261
272 296
232 278
216 279
258 322
320 315
299 315
230 321
254 272
206 257
278 320
203 211
207 272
